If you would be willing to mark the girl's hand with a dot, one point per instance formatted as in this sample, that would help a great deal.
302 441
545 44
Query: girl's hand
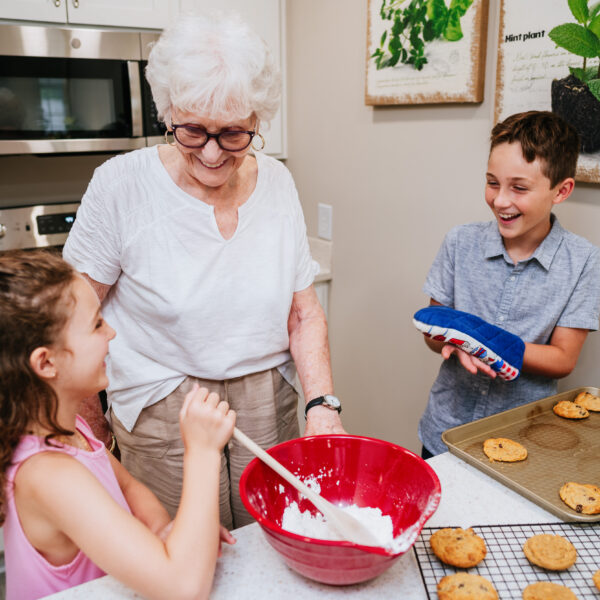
205 421
163 534
469 362
225 536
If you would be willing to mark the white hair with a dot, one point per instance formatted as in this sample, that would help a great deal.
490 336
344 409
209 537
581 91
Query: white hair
213 64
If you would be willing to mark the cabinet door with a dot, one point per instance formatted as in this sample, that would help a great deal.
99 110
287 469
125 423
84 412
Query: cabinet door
34 10
147 14
267 18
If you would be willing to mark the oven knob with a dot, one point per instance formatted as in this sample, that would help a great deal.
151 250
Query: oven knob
2 230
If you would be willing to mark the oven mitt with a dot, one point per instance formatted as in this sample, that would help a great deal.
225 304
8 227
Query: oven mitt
501 350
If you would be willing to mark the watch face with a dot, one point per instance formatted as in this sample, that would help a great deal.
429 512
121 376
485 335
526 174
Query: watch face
331 401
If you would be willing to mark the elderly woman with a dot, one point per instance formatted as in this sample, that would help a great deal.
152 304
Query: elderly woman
198 250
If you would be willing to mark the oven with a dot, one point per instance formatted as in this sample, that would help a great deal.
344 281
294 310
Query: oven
39 226
66 89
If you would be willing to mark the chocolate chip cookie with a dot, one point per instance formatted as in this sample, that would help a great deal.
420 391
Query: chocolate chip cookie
466 586
588 401
596 579
504 450
570 410
583 498
544 590
552 552
458 547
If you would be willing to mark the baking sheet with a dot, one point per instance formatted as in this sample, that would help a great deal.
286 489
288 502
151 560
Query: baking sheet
505 564
559 450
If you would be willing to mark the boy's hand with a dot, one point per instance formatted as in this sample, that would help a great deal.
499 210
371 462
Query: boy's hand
469 362
205 421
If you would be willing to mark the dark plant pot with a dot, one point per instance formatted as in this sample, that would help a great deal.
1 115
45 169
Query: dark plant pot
573 101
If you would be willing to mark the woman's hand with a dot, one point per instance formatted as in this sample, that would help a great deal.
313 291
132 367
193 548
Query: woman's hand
205 421
469 362
321 420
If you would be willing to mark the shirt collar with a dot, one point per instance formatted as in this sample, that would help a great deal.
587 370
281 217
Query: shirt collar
544 253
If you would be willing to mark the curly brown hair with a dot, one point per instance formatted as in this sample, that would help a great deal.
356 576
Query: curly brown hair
35 304
543 135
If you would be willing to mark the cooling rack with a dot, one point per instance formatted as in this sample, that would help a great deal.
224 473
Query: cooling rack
505 564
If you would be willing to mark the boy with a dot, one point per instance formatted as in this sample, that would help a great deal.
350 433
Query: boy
523 272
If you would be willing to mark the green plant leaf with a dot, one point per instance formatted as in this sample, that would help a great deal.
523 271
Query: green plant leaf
437 12
580 11
429 31
583 75
394 45
579 73
594 87
393 61
383 36
461 6
576 39
594 26
452 31
595 10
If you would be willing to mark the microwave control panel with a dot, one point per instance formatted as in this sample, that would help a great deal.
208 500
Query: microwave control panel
36 226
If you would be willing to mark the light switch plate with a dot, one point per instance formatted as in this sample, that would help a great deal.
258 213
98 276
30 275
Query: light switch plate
325 228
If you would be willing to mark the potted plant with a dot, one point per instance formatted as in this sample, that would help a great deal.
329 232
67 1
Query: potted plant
576 97
414 23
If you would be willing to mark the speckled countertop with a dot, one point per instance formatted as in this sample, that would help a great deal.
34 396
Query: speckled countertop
252 569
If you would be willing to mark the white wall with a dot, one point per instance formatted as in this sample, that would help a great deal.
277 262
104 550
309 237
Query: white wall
398 178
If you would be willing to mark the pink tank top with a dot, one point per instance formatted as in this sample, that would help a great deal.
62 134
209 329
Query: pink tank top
28 574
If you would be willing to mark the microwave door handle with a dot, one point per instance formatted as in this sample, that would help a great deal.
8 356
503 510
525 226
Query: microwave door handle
135 90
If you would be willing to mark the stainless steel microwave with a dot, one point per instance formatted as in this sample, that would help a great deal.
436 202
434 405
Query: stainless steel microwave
65 90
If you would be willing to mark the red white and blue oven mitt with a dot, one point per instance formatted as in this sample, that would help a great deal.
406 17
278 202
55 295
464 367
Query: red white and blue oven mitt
501 350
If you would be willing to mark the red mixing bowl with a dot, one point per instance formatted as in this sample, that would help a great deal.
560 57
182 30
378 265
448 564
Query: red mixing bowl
350 470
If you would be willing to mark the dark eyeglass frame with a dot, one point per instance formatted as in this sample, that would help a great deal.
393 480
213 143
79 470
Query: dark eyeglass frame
215 136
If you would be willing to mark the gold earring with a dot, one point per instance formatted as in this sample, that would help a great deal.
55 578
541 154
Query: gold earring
262 139
167 132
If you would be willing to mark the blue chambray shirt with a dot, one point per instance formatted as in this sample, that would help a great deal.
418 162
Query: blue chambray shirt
559 285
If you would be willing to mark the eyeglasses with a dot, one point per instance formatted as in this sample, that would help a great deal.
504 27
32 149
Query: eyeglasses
193 136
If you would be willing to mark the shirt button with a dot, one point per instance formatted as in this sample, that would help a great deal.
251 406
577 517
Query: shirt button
512 277
500 319
483 392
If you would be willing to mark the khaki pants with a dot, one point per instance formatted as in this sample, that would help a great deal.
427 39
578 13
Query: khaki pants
266 407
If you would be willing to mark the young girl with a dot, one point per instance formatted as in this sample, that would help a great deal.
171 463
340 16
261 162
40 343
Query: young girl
71 511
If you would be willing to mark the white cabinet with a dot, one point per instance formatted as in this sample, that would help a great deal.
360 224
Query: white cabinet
34 10
151 14
267 18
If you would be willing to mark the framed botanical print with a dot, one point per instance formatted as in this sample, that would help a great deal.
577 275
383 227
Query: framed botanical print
425 51
548 59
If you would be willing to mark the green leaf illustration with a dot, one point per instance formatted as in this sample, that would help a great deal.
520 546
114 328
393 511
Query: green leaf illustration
461 6
576 39
594 86
594 26
580 11
415 23
453 32
437 13
584 75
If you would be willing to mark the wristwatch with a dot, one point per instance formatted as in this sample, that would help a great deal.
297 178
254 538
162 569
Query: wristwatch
332 402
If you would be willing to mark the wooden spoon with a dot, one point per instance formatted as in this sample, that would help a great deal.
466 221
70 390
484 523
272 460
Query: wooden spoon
346 525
